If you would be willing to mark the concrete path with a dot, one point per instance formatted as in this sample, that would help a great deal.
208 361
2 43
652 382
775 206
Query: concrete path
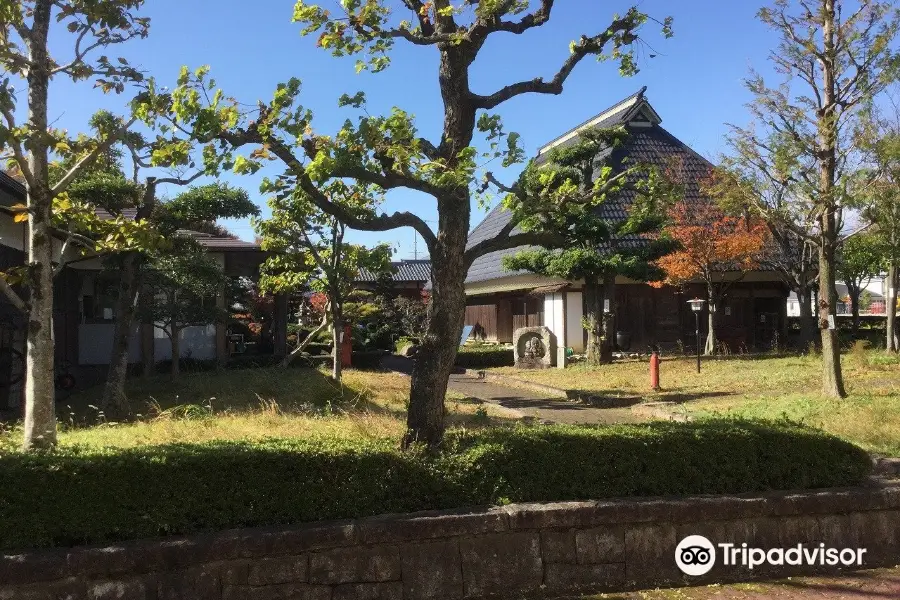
528 402
880 584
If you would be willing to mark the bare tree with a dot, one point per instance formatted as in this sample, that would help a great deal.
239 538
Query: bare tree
836 57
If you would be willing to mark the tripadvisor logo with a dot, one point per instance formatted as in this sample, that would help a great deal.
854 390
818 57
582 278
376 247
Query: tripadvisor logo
695 555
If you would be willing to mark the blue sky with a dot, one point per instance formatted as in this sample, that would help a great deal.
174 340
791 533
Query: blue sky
694 82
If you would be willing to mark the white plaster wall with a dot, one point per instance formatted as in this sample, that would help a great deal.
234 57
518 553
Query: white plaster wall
95 344
196 342
553 317
574 314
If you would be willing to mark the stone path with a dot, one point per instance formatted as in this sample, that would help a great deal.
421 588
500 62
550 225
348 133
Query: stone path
879 584
527 402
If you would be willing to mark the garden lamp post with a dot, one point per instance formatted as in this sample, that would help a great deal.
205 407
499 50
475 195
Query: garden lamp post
697 307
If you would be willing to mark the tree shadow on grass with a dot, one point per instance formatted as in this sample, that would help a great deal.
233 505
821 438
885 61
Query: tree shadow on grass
194 395
618 399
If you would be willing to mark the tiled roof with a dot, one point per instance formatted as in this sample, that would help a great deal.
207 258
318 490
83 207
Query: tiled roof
211 242
648 144
404 271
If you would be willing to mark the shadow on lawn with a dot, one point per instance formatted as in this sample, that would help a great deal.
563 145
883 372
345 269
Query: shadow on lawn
195 395
618 399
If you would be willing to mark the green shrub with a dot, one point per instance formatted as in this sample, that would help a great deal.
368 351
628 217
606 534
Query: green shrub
402 342
367 359
482 356
106 495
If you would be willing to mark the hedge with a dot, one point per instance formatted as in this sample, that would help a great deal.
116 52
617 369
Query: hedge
79 496
486 356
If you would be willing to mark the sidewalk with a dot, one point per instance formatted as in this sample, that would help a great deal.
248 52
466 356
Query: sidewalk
879 584
527 402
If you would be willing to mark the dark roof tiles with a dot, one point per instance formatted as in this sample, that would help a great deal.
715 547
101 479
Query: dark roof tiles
403 271
650 144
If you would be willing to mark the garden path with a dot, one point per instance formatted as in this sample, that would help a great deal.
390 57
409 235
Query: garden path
529 403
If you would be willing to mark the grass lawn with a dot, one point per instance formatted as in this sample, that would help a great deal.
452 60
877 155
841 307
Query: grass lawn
768 388
253 404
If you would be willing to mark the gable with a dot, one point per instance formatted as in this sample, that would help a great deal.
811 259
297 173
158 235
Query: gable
648 142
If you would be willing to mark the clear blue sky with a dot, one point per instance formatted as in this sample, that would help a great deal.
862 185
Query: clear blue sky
694 82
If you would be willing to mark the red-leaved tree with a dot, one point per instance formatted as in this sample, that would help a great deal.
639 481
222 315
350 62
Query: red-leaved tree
714 248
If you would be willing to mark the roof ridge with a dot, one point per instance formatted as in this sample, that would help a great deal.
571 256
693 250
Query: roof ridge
634 98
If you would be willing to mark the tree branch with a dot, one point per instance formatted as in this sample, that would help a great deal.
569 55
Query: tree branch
507 242
180 180
583 48
534 19
90 157
12 296
381 222
10 119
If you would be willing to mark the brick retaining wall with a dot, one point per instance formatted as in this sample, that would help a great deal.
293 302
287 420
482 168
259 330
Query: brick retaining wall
509 552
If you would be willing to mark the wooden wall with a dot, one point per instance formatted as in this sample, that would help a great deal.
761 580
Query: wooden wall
483 317
753 316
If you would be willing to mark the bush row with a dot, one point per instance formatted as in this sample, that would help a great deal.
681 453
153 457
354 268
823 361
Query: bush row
79 496
484 356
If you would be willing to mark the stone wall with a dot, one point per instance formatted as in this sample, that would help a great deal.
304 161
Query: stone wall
509 552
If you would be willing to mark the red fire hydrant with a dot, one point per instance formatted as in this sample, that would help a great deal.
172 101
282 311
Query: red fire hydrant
654 371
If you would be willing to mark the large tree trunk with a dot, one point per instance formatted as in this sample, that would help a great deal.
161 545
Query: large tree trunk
807 321
115 402
40 407
593 300
890 308
608 319
832 378
437 352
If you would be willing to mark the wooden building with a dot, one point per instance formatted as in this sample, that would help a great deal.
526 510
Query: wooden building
753 316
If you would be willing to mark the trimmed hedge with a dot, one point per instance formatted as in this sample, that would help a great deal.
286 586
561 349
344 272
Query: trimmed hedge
483 357
80 496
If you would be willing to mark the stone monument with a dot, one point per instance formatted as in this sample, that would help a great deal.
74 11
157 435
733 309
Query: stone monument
534 348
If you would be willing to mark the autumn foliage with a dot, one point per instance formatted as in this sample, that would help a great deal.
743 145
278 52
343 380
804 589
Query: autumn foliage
711 244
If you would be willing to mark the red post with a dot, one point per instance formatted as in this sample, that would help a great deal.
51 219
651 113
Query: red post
654 371
347 347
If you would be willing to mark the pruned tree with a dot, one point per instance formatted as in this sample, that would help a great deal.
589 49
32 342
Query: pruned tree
714 248
87 28
835 56
566 197
157 220
860 258
388 151
309 253
184 280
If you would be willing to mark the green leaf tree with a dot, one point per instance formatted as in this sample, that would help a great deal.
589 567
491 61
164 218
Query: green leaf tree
184 280
388 151
565 197
309 253
86 29
835 56
860 258
877 191
156 221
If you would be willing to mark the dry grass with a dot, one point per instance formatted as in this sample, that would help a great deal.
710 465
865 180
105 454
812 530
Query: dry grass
253 404
768 388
